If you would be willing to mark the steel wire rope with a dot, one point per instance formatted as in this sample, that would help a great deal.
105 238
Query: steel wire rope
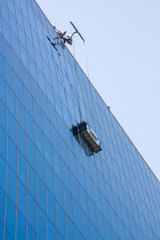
86 59
80 137
75 67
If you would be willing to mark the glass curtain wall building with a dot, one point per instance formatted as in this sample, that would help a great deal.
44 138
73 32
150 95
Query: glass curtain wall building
50 186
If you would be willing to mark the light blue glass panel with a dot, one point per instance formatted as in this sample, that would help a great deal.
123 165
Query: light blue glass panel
61 220
42 224
2 208
41 194
32 212
21 226
22 198
10 217
11 184
1 231
3 115
2 172
51 231
69 228
22 168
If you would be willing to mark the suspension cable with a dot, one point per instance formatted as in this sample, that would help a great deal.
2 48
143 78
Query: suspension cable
86 59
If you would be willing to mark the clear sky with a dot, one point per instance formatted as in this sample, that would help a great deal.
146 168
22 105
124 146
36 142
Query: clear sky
123 53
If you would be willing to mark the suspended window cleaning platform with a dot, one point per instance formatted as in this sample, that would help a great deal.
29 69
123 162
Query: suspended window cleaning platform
88 135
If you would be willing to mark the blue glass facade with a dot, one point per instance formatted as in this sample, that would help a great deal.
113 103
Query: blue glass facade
49 187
